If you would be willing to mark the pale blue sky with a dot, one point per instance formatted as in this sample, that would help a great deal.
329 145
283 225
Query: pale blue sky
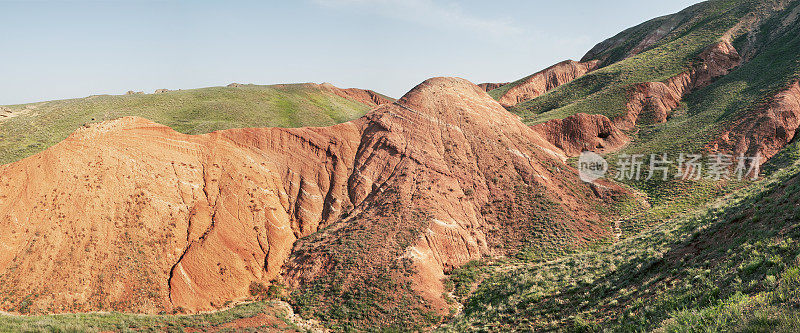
66 49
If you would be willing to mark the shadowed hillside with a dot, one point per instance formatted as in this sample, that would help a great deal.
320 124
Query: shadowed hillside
733 265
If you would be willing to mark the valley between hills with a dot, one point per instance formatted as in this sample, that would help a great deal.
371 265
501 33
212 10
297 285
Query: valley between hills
457 207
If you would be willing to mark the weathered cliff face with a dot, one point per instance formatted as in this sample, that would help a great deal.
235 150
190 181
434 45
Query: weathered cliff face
765 131
546 80
130 215
280 185
648 102
583 132
364 96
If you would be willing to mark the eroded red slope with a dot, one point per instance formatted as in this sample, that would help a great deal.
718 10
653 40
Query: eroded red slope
649 103
765 131
132 216
548 79
454 177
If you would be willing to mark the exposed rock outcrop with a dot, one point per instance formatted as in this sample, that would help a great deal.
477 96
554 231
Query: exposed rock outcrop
583 132
545 80
765 131
133 216
161 91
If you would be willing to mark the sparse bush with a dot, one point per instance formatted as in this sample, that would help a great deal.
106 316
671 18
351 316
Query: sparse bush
257 289
263 292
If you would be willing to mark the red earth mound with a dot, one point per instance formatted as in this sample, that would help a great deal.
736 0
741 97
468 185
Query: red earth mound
451 177
766 131
130 215
583 132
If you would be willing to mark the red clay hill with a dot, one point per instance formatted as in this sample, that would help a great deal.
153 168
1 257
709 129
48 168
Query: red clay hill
130 215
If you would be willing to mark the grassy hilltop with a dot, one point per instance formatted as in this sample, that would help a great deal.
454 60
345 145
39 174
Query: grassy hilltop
36 126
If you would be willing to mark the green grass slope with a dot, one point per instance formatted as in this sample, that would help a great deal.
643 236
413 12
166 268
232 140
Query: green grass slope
604 90
40 125
703 116
250 314
733 265
772 63
610 51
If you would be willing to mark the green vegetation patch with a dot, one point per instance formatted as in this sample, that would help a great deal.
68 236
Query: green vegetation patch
730 266
99 322
40 125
